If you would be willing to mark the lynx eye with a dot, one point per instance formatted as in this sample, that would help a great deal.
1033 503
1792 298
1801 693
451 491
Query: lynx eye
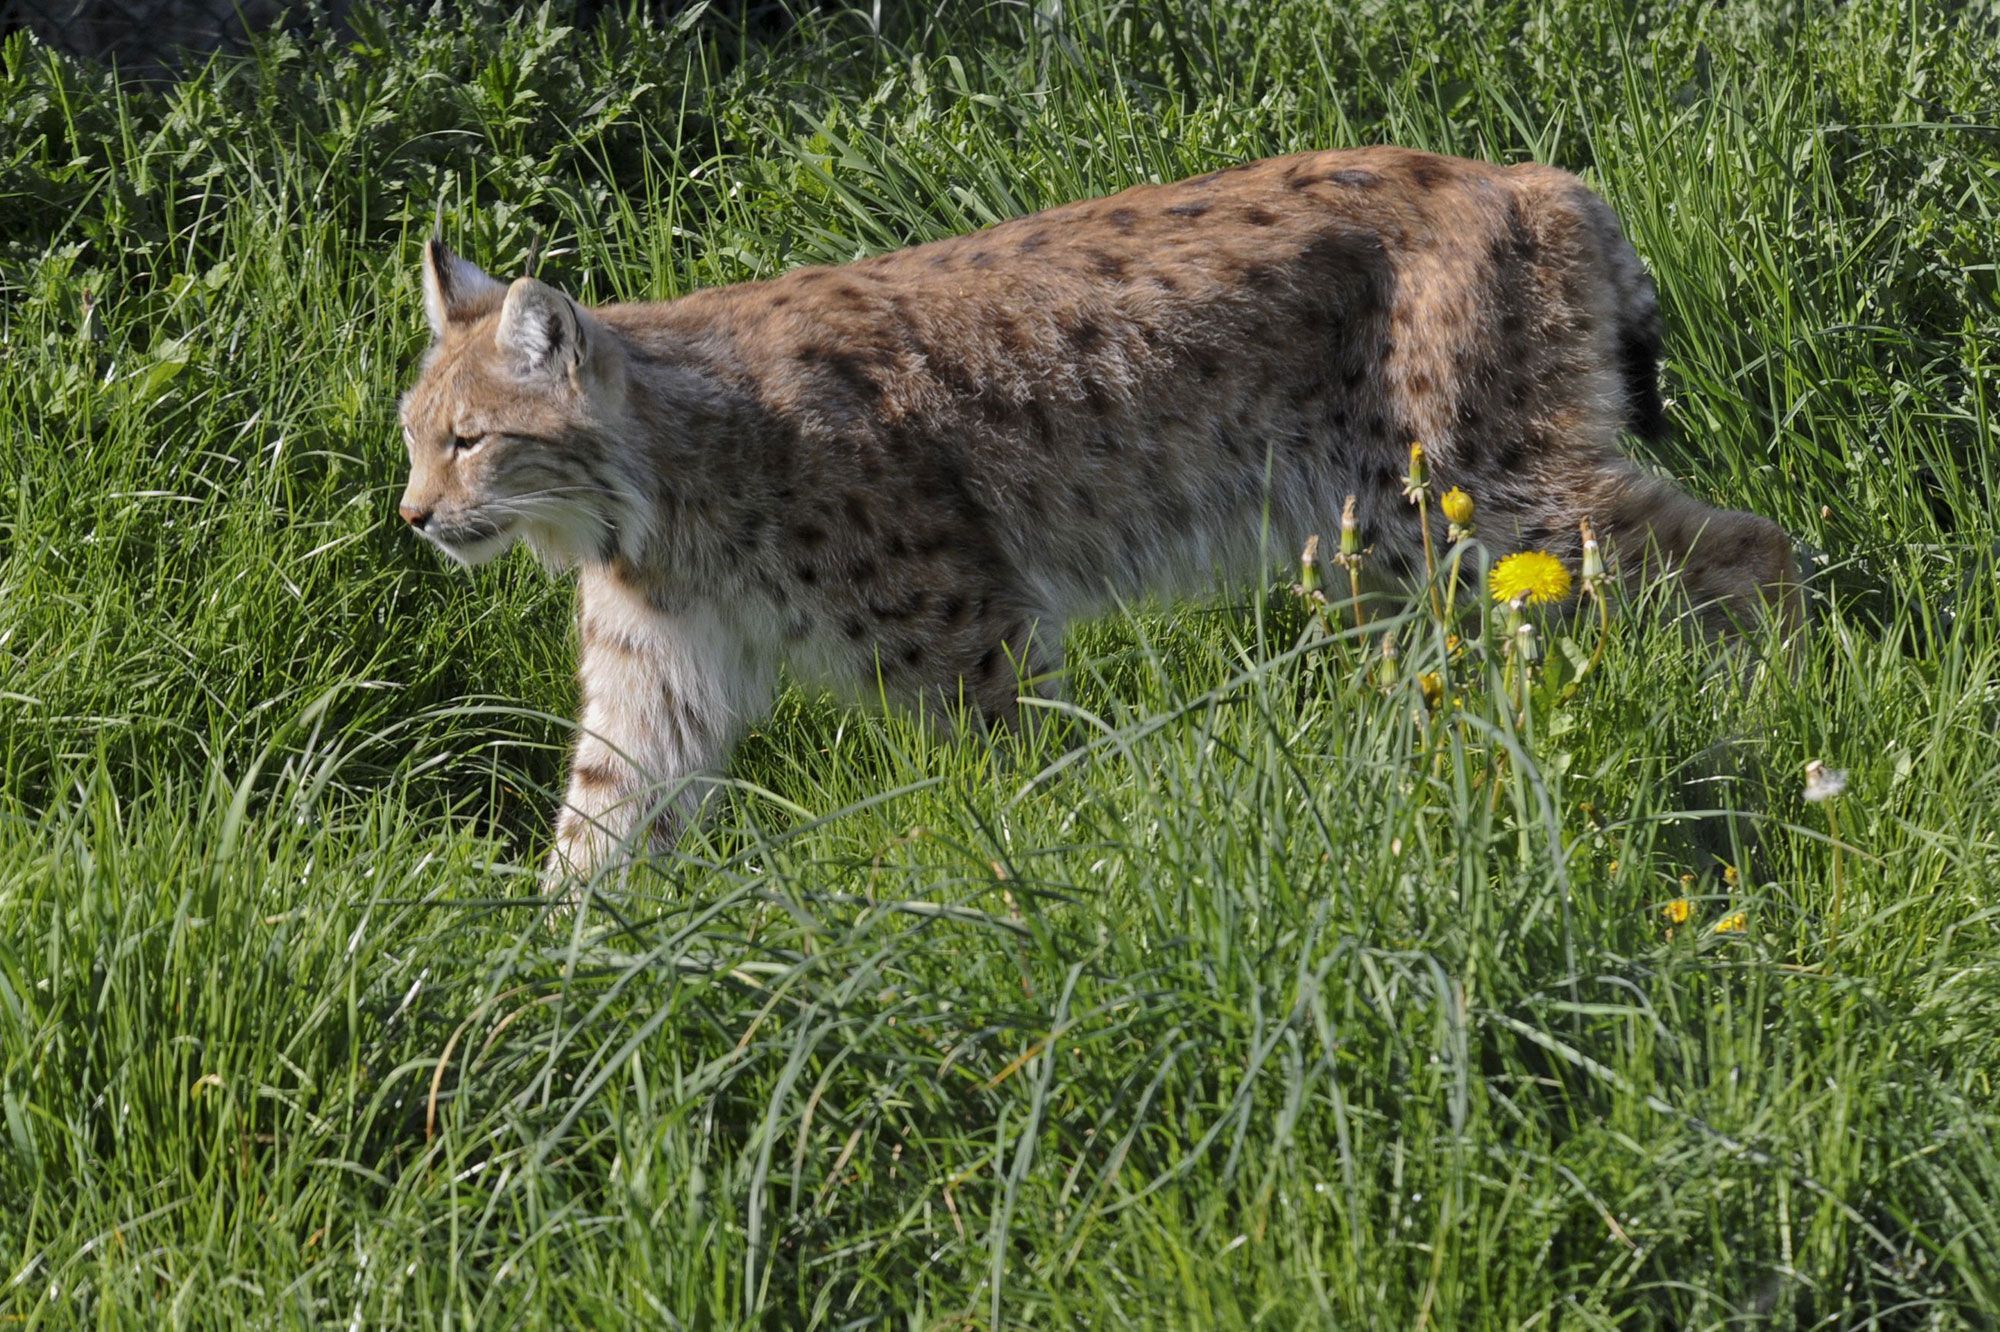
465 443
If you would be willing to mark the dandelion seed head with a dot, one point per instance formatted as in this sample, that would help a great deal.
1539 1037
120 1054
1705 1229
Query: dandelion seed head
1824 783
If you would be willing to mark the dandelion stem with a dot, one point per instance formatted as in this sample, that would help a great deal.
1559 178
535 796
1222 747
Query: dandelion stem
1417 490
1603 632
1350 557
1451 584
1593 587
1458 510
1823 787
1430 560
1596 653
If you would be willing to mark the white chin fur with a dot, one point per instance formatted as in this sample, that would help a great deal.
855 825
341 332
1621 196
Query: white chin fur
474 553
566 545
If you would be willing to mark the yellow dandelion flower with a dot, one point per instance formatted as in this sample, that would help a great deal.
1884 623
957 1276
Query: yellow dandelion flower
1678 911
1457 506
1534 575
1433 686
1733 923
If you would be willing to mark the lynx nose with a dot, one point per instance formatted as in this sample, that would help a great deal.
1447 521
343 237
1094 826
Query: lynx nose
414 516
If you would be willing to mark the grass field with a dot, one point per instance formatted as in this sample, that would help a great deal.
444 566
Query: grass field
1261 997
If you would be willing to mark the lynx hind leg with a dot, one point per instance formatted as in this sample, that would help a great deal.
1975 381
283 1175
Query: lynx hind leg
1734 568
990 674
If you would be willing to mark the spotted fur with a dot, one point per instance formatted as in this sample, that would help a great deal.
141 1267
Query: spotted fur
913 470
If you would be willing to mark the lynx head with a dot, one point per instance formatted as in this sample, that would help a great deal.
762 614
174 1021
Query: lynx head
511 423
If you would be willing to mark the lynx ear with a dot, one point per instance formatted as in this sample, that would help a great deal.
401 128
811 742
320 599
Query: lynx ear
455 291
542 328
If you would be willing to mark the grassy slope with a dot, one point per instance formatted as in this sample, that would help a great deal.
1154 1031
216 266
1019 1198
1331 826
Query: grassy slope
1261 1008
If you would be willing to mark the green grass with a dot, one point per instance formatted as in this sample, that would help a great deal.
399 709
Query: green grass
1267 1003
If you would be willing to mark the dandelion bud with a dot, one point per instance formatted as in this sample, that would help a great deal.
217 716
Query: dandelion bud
1418 480
1309 579
1350 555
1457 506
1391 668
1525 643
1593 558
1351 539
1458 510
1432 685
91 326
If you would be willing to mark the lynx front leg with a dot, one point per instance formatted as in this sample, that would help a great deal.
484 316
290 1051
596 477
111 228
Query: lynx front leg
664 697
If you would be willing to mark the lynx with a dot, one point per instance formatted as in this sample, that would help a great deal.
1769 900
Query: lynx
911 471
